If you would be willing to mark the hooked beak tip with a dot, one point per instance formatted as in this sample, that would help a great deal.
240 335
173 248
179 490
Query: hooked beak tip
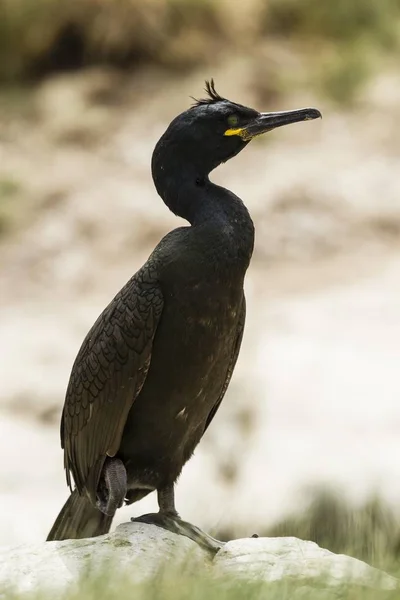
313 114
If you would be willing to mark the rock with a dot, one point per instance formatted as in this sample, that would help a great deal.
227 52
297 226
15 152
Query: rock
136 547
274 559
141 550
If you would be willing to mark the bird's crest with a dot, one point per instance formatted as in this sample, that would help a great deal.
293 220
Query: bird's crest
213 95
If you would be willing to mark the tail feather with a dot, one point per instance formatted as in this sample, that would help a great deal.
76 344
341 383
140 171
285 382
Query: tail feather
79 519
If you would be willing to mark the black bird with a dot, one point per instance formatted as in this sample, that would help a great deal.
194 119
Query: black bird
154 368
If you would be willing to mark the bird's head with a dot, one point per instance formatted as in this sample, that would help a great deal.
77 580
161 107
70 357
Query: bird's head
215 129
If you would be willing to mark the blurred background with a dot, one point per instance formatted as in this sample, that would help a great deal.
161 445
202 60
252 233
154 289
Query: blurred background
307 440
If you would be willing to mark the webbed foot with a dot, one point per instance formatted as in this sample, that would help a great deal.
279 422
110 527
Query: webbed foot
172 522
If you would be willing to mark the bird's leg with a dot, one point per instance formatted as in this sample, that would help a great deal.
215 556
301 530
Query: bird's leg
168 519
112 487
166 501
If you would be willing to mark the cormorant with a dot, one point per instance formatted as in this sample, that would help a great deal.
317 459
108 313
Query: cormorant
154 368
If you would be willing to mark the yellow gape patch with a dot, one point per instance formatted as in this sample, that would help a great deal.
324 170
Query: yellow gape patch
240 131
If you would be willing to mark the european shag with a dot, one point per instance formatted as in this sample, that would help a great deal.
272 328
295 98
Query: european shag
154 368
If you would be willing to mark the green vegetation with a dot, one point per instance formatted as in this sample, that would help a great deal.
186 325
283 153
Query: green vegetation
342 75
40 36
8 188
340 21
10 191
351 38
370 532
110 587
341 40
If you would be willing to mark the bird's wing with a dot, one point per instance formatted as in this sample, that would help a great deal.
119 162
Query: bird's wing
232 362
107 376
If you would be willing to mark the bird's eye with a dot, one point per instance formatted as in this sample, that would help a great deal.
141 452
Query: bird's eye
233 120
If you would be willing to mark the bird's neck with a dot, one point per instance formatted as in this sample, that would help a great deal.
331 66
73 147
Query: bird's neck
192 196
189 193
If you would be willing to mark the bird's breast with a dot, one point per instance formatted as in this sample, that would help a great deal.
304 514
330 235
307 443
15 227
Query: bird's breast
191 354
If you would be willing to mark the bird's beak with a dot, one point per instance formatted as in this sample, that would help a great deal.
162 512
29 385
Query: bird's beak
268 121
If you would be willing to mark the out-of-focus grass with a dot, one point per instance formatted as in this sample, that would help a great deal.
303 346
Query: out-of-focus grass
195 587
10 190
351 38
343 73
370 532
340 21
38 36
341 37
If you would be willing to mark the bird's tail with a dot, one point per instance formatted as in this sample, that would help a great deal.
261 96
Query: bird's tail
79 519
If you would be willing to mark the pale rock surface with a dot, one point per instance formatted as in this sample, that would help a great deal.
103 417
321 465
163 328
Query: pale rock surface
141 550
274 559
134 547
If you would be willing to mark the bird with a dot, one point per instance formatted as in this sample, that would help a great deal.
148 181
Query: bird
153 370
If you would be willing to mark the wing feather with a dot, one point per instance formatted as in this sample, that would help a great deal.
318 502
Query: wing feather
108 374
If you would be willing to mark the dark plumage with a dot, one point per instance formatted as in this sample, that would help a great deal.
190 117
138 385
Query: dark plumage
154 368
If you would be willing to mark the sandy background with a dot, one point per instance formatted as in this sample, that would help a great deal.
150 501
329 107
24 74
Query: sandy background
315 395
